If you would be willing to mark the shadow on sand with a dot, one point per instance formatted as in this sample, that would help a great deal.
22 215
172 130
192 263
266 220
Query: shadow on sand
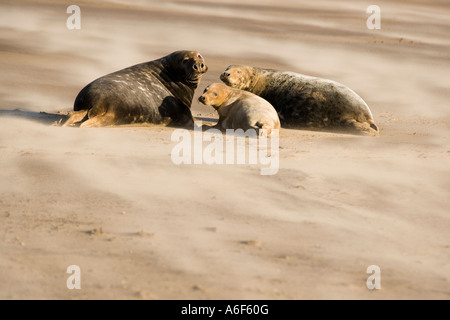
208 120
58 119
41 117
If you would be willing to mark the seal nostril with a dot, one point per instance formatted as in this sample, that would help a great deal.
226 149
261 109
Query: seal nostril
195 67
202 66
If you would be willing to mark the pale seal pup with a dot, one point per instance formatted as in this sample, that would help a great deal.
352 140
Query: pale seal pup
240 109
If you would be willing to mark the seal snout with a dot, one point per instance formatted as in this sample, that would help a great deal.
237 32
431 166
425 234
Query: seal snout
224 76
202 99
200 67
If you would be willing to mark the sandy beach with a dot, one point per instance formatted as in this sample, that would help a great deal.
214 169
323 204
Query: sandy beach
111 200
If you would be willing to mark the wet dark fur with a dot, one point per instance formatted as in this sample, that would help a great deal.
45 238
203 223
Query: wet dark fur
156 92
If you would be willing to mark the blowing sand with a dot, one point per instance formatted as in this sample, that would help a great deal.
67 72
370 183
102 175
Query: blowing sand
112 202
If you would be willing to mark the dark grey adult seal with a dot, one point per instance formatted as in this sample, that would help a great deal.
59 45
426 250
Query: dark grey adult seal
304 101
159 92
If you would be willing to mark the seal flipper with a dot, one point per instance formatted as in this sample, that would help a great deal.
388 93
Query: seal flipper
262 130
76 117
105 120
363 128
373 125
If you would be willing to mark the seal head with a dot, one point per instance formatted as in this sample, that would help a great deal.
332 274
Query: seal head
238 77
186 66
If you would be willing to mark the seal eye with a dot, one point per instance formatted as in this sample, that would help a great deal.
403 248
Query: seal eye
200 57
239 72
186 60
215 94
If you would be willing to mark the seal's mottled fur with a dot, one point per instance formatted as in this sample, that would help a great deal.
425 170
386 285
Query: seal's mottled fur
304 101
158 92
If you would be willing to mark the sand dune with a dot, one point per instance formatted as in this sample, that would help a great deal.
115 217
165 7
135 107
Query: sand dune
112 202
